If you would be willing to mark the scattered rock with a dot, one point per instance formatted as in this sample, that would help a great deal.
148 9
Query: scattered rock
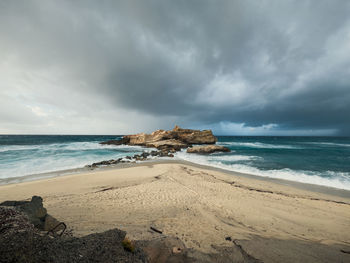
207 149
145 154
164 152
154 153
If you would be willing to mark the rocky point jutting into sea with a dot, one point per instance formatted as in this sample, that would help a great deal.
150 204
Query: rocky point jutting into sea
167 143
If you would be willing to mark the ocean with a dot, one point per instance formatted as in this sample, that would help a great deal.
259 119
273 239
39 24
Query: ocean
315 160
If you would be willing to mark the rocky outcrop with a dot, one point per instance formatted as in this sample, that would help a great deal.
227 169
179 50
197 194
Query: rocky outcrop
34 210
194 136
36 213
166 142
167 145
208 149
21 242
116 142
175 139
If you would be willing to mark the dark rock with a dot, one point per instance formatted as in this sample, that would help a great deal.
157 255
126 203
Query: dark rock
163 154
114 161
154 153
103 163
36 213
34 210
12 221
123 140
21 242
145 154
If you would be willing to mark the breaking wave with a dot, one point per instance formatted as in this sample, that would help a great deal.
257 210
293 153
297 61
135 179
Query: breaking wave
241 164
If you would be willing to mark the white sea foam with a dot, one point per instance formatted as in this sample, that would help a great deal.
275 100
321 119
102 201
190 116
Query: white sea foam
258 145
33 159
73 146
331 144
7 148
54 157
232 158
339 180
214 158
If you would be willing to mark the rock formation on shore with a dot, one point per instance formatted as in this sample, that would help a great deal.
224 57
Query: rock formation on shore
169 141
177 136
207 149
166 143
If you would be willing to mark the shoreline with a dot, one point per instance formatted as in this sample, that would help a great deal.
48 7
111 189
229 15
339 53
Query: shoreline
209 210
81 170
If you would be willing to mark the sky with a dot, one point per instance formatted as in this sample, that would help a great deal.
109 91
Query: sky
253 67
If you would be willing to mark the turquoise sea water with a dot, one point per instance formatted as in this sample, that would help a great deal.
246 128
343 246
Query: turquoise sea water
316 160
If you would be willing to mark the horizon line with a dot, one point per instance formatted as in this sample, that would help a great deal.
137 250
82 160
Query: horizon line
233 135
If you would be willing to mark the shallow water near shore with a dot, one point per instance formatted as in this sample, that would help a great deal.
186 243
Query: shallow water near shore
316 160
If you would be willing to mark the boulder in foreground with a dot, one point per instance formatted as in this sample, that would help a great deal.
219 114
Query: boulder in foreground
208 149
21 241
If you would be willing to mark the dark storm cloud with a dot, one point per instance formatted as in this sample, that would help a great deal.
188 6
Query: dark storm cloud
252 62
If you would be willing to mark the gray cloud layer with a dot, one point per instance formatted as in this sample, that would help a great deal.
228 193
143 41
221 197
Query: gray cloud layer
152 63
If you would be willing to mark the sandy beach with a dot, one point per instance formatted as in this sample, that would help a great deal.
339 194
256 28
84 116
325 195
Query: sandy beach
208 209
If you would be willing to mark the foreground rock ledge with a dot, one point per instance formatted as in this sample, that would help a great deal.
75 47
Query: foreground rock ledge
208 149
22 241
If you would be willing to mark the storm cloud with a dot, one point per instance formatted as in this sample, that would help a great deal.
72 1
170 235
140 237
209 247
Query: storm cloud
238 67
